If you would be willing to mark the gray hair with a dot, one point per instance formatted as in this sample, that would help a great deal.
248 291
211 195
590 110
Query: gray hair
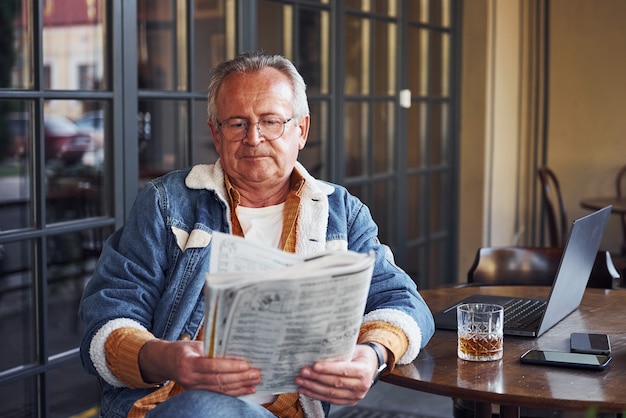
249 62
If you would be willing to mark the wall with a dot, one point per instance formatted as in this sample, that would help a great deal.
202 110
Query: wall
587 108
489 127
502 123
586 139
472 132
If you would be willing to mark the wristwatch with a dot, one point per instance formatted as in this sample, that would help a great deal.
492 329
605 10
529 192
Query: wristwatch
381 360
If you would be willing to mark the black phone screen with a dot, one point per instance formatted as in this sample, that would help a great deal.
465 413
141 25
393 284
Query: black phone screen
589 343
558 358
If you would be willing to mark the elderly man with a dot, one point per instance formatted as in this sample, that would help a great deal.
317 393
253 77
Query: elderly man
143 308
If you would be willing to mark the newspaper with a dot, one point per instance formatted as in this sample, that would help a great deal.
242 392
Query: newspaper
282 311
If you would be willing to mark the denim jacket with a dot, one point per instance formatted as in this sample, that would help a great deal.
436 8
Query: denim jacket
151 271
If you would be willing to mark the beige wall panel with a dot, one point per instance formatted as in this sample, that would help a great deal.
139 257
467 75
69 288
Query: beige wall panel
587 108
472 133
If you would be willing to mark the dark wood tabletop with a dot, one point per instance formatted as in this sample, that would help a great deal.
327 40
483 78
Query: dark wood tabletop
509 383
597 203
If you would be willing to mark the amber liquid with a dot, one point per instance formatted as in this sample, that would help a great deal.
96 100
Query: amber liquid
477 346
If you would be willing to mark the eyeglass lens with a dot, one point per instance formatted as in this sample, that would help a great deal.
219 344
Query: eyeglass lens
236 129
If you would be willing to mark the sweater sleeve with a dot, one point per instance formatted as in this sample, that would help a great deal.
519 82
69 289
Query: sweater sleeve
390 336
122 354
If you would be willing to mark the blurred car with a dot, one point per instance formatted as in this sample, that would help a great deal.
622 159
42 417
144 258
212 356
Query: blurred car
92 123
62 138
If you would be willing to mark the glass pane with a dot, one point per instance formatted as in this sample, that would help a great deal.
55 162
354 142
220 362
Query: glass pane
385 51
438 203
416 136
275 28
360 5
355 138
164 138
438 119
74 139
314 59
17 313
77 396
383 7
203 147
415 265
359 191
382 210
438 263
94 120
74 45
209 40
418 10
384 132
16 70
71 262
16 138
439 65
440 12
387 7
19 399
357 60
162 45
417 60
435 12
415 207
313 156
92 241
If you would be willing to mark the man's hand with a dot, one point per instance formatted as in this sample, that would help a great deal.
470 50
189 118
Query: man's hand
340 382
185 362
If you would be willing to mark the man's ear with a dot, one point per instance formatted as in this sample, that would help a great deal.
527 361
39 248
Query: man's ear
304 123
214 133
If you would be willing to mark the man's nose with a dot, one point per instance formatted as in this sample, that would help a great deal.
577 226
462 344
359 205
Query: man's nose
253 135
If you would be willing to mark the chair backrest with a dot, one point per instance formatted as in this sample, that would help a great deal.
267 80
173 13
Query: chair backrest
620 182
553 207
518 266
620 190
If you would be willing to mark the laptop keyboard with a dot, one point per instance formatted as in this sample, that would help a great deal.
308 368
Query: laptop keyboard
521 313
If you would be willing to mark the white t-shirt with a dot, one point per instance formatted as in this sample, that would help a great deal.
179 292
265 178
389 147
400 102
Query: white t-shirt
263 225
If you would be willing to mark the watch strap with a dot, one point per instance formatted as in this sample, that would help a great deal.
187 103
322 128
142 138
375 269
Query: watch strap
381 360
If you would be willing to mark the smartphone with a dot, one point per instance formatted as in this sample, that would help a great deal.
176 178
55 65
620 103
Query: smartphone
557 358
590 343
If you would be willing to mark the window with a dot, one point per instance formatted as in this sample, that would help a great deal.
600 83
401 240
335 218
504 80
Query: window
398 160
55 171
86 79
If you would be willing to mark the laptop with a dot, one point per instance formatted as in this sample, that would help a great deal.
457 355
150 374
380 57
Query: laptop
533 317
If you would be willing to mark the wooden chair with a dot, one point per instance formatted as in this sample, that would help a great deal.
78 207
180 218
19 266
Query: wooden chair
516 266
553 207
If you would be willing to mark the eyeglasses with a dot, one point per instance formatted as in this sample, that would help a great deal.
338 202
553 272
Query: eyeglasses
236 129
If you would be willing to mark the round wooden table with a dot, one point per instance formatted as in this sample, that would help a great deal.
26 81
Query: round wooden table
596 203
512 385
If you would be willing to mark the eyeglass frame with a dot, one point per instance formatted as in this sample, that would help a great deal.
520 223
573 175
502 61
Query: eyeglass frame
258 128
